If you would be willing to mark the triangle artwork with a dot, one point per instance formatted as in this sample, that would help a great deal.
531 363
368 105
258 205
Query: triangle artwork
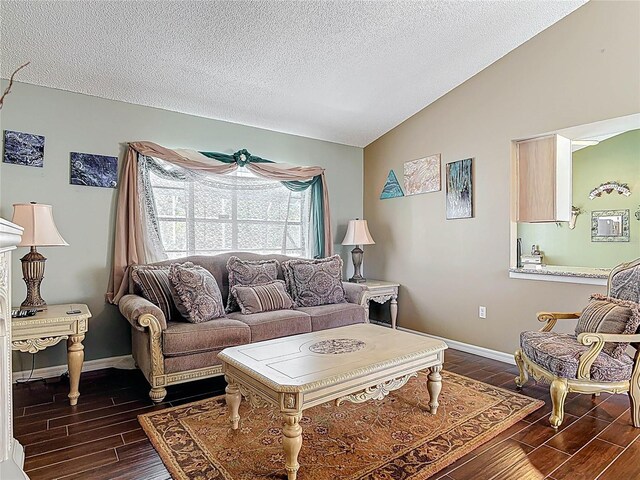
391 187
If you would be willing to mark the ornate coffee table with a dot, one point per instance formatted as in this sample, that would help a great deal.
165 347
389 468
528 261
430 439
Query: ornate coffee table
354 363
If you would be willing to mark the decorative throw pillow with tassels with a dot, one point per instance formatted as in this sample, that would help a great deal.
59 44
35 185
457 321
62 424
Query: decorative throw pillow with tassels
249 272
610 315
196 293
315 282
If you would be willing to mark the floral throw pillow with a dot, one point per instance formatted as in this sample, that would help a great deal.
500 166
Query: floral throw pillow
196 293
315 282
248 272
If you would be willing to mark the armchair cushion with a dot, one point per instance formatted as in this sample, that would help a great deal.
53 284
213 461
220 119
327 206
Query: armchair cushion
610 315
559 353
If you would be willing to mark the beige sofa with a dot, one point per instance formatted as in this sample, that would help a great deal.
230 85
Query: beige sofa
175 352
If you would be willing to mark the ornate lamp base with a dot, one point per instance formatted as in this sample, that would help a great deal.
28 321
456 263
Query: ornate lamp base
32 274
356 256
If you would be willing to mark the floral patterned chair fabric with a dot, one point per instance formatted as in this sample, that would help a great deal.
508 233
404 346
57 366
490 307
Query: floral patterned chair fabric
573 363
560 353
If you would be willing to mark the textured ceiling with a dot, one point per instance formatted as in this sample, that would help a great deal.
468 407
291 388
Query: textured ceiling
344 71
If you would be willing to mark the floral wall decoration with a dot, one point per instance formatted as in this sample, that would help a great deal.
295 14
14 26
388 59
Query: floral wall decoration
610 187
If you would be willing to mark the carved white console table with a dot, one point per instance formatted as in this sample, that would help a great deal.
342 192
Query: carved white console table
49 327
382 292
11 452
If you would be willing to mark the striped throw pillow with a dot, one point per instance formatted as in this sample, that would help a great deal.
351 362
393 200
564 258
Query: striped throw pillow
610 315
154 285
262 298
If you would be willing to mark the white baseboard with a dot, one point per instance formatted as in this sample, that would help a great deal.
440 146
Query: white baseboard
124 362
466 347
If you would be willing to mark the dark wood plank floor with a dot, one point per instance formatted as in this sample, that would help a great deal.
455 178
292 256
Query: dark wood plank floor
100 438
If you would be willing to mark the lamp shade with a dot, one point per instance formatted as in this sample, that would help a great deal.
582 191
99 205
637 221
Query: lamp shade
39 228
357 233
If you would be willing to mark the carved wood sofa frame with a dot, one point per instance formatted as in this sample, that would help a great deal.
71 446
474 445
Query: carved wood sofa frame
583 384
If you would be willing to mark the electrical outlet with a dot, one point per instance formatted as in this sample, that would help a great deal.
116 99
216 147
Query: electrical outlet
482 312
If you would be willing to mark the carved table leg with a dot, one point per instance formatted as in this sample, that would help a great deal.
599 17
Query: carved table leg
75 357
434 385
393 307
558 392
292 443
233 399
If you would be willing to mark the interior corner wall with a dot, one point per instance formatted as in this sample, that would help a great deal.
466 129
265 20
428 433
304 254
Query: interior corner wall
582 69
85 216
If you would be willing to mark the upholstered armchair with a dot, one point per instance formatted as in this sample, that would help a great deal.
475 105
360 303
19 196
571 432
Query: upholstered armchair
571 363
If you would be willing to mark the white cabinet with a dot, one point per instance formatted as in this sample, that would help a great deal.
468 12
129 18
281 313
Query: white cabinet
543 170
11 452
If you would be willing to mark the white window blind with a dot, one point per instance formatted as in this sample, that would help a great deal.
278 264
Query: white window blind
204 214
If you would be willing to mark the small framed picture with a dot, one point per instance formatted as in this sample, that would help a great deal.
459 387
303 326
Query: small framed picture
25 149
94 170
460 189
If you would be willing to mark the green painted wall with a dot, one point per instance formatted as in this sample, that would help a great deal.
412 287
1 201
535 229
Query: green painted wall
617 159
85 216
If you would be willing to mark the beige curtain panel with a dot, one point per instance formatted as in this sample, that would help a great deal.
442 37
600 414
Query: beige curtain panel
129 244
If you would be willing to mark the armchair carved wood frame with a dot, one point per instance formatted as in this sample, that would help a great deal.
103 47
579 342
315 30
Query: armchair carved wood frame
583 383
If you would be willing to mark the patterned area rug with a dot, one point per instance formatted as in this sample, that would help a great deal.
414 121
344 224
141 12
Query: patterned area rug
395 438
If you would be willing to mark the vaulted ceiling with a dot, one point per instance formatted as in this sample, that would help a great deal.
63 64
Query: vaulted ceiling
344 71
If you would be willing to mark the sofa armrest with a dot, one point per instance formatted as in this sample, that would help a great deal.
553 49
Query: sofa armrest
354 292
133 307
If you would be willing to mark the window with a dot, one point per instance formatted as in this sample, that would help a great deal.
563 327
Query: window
204 214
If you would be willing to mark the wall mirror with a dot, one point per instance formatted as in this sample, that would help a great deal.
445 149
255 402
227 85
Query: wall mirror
610 226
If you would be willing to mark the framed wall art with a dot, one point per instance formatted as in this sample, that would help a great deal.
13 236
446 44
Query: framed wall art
94 170
422 175
459 195
25 149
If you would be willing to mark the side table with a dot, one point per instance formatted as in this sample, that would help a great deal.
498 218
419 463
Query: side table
380 292
49 327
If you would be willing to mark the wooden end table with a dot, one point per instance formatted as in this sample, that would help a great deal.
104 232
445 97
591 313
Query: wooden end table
354 363
49 327
380 292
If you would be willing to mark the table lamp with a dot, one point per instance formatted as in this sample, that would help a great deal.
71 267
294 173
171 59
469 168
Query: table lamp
357 234
39 231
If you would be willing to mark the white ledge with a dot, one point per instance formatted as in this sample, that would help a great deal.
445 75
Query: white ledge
565 274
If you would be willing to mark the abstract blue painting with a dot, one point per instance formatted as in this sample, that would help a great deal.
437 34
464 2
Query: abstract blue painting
94 170
23 149
391 187
460 189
